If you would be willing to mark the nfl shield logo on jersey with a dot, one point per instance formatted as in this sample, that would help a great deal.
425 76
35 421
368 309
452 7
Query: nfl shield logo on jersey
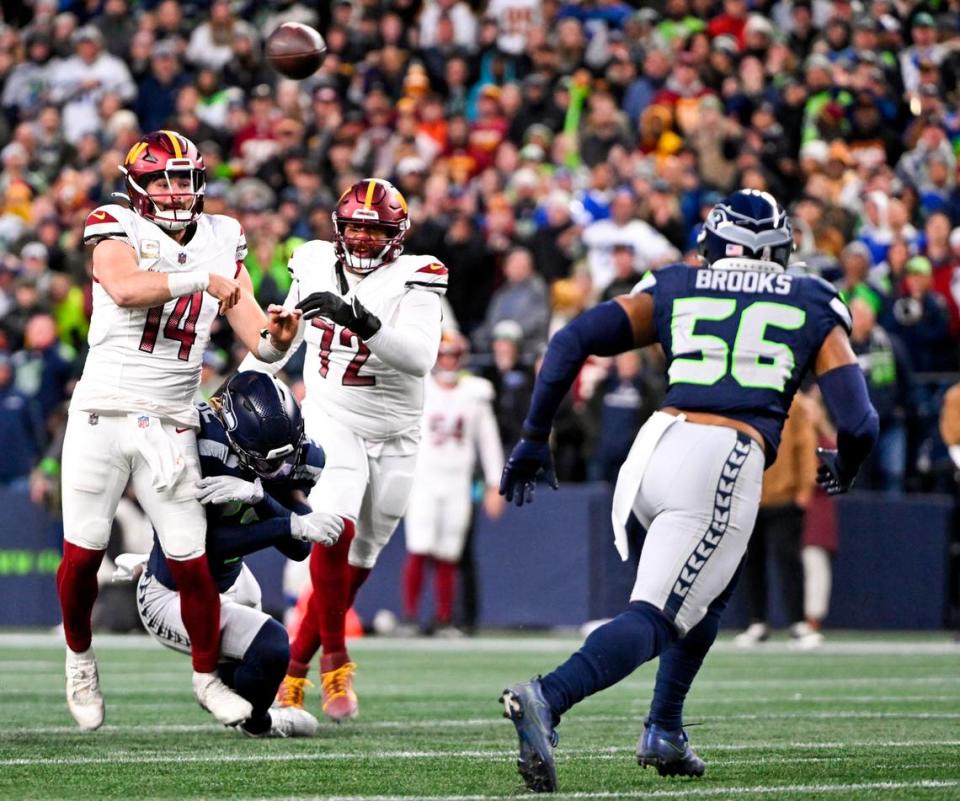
182 257
143 421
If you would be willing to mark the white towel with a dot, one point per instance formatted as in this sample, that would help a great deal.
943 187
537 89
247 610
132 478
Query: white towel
129 566
631 474
158 450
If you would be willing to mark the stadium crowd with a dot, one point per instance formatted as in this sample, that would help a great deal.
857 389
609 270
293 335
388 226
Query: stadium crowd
551 152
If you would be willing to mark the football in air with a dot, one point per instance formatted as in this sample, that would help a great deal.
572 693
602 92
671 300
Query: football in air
295 50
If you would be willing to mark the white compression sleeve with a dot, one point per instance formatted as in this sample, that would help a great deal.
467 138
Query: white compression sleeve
181 284
409 343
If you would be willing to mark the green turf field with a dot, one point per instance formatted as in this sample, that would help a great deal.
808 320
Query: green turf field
862 718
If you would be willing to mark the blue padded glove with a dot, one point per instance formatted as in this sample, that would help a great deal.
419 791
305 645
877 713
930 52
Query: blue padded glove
831 475
529 462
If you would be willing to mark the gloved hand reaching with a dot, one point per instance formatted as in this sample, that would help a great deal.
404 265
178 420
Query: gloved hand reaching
831 475
224 489
529 462
322 527
350 315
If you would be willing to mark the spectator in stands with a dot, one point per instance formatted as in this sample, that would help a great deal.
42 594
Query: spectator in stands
211 43
158 91
919 318
78 83
630 393
651 249
21 430
28 82
886 366
44 367
788 487
512 382
521 299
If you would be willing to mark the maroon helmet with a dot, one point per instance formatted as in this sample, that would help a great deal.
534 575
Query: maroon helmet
378 204
165 154
454 345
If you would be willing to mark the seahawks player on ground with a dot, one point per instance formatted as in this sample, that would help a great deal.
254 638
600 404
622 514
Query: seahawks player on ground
739 334
257 468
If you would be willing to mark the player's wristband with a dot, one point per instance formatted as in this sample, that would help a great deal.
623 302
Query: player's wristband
533 435
266 350
181 284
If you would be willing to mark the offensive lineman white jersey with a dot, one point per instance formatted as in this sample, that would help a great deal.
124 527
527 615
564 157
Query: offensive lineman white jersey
342 377
148 360
458 423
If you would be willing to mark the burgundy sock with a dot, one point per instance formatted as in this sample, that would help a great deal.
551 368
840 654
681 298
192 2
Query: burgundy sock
77 588
412 584
356 575
307 641
331 584
199 609
446 582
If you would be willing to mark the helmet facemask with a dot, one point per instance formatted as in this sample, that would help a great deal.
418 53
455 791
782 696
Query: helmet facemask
375 250
148 203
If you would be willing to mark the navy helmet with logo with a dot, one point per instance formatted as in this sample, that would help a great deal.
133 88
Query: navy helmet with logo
263 422
749 224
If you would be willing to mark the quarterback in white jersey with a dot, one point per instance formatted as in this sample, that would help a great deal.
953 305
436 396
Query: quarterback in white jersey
372 327
458 424
162 270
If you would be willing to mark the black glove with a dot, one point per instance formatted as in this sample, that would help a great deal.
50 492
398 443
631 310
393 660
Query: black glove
831 475
530 461
353 316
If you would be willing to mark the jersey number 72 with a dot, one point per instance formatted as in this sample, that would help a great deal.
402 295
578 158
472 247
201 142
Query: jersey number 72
754 361
351 376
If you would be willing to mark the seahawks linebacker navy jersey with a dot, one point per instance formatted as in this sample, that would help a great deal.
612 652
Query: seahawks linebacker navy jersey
738 341
234 529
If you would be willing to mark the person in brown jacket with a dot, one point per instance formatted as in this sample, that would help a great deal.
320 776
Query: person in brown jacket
950 431
950 423
788 486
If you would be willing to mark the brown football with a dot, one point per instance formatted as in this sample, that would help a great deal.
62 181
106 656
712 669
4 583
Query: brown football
295 50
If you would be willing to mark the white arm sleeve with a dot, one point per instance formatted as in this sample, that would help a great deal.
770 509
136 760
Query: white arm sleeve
251 362
410 343
488 444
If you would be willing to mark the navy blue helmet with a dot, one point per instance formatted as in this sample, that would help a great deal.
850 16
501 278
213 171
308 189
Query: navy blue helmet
262 420
747 225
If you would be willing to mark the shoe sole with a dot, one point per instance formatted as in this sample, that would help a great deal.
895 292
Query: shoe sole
232 723
535 771
665 768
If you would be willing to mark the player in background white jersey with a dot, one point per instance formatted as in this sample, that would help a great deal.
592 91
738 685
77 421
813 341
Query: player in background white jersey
458 424
162 271
372 327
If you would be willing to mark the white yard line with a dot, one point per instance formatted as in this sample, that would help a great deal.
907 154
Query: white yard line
524 644
135 757
698 792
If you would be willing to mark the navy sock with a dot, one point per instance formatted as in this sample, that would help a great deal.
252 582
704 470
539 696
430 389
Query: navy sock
258 675
611 653
681 661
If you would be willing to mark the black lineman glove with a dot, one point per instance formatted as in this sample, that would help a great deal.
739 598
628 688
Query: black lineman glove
529 462
830 475
350 315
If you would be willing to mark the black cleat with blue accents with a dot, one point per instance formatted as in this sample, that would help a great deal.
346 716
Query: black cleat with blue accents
668 751
526 707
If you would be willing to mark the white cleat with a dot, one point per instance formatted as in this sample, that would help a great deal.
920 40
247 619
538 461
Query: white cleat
219 700
754 634
804 637
84 699
288 721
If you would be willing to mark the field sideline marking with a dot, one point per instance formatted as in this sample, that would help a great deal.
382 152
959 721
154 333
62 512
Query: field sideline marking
703 792
523 644
134 757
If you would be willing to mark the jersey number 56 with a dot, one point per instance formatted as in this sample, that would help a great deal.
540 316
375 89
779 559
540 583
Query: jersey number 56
755 362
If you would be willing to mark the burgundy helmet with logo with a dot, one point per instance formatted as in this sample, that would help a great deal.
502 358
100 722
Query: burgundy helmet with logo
165 154
376 203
